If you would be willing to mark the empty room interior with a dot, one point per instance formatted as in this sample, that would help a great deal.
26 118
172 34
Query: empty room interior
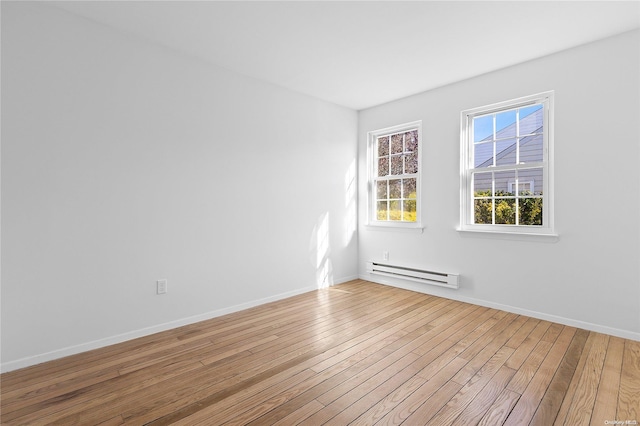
320 212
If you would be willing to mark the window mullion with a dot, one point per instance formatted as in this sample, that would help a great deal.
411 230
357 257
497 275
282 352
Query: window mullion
517 194
404 150
494 136
508 167
518 137
493 198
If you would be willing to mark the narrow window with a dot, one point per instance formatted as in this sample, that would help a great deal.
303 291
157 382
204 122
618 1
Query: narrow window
506 175
394 184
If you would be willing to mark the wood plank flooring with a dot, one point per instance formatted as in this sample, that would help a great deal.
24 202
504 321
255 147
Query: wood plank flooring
358 353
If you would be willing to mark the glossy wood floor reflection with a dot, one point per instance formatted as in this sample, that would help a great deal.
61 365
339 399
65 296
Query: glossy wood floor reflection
358 353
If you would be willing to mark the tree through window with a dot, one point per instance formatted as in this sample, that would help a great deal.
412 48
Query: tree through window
395 170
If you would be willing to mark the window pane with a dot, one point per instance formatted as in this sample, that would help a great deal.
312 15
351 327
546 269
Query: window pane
483 155
506 124
395 212
381 207
383 146
409 210
396 165
505 211
502 180
482 211
396 143
411 141
395 188
506 152
531 149
483 128
532 175
381 190
531 120
409 188
530 211
383 166
411 162
482 184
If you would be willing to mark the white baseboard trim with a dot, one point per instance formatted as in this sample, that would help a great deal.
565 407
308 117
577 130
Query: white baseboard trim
100 343
345 279
626 334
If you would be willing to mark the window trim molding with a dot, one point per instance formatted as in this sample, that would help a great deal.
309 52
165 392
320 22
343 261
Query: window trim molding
372 136
466 146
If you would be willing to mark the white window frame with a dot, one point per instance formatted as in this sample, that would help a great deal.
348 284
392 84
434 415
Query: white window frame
467 168
372 219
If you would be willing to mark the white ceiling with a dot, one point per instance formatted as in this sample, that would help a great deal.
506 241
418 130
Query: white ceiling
360 54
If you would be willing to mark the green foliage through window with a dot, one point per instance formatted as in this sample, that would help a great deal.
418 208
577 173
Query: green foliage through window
398 210
525 208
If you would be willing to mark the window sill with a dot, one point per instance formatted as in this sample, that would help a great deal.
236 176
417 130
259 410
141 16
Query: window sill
395 228
513 236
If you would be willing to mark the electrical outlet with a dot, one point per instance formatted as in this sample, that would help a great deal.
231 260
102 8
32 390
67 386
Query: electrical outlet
161 286
385 255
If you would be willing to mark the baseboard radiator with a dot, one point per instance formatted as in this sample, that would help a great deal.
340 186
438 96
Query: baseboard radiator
441 279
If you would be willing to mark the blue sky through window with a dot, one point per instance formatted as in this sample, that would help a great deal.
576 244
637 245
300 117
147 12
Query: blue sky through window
483 126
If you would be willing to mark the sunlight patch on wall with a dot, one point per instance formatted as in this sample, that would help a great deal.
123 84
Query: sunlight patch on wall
324 275
322 249
350 202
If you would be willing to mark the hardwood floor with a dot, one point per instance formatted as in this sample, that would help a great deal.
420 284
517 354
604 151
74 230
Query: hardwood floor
358 353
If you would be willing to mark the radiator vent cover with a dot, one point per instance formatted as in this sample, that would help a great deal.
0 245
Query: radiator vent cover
442 279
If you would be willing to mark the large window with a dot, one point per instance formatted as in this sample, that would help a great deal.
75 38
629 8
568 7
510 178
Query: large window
394 184
506 169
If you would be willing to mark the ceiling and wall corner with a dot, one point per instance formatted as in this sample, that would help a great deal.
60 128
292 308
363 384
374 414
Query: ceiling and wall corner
360 53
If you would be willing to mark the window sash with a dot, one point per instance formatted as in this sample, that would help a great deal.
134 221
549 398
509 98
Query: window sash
374 179
469 170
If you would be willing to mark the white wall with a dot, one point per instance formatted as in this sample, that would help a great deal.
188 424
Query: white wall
124 162
591 276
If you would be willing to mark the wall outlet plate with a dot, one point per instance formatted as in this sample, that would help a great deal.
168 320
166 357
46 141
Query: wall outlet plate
161 286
